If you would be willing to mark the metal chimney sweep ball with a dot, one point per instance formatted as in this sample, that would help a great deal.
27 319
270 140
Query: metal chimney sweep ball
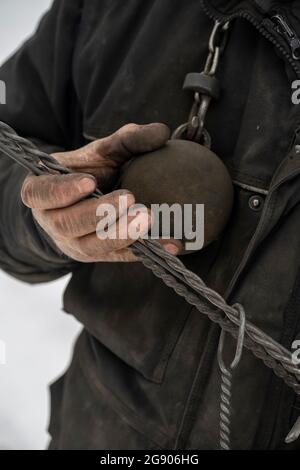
183 172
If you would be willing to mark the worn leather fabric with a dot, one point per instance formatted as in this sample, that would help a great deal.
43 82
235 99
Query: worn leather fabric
144 373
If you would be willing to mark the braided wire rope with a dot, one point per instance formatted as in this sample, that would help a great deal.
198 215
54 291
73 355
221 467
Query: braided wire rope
225 409
171 271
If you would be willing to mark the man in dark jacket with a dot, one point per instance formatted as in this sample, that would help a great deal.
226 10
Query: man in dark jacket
144 373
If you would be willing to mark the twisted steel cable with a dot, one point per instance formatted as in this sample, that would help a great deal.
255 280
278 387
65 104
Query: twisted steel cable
170 270
292 379
273 348
225 409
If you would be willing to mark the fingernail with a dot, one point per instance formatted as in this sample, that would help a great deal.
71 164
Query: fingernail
171 249
87 185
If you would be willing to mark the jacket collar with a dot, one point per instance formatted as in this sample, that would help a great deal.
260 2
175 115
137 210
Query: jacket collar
225 8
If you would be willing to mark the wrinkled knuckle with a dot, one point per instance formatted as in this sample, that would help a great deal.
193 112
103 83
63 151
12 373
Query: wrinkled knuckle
132 126
125 131
59 224
61 191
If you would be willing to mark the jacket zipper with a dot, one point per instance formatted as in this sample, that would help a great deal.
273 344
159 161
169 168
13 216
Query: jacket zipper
276 22
284 30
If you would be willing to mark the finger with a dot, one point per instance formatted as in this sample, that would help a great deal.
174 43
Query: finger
106 176
81 219
117 237
172 246
56 191
85 158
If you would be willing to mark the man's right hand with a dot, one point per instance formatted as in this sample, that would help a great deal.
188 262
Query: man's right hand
60 205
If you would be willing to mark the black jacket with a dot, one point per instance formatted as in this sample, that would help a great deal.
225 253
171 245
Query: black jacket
144 373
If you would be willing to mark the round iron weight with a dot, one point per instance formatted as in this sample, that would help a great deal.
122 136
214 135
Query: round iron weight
183 172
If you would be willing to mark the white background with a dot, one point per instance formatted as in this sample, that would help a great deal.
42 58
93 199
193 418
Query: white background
37 334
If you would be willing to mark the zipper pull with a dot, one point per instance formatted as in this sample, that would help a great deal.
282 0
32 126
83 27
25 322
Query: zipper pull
294 433
284 29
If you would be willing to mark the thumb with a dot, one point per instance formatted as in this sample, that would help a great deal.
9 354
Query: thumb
132 140
117 148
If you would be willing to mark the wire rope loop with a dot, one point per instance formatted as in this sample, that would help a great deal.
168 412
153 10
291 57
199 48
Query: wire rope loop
240 342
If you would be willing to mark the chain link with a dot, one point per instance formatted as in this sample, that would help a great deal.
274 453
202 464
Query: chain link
194 129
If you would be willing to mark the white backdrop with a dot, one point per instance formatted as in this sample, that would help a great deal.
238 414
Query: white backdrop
37 335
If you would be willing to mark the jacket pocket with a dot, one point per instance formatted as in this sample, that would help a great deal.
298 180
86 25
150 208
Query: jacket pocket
130 312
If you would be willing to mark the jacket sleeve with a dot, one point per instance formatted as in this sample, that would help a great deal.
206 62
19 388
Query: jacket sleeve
41 105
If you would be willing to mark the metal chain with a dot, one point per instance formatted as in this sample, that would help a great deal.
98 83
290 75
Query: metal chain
194 129
171 271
